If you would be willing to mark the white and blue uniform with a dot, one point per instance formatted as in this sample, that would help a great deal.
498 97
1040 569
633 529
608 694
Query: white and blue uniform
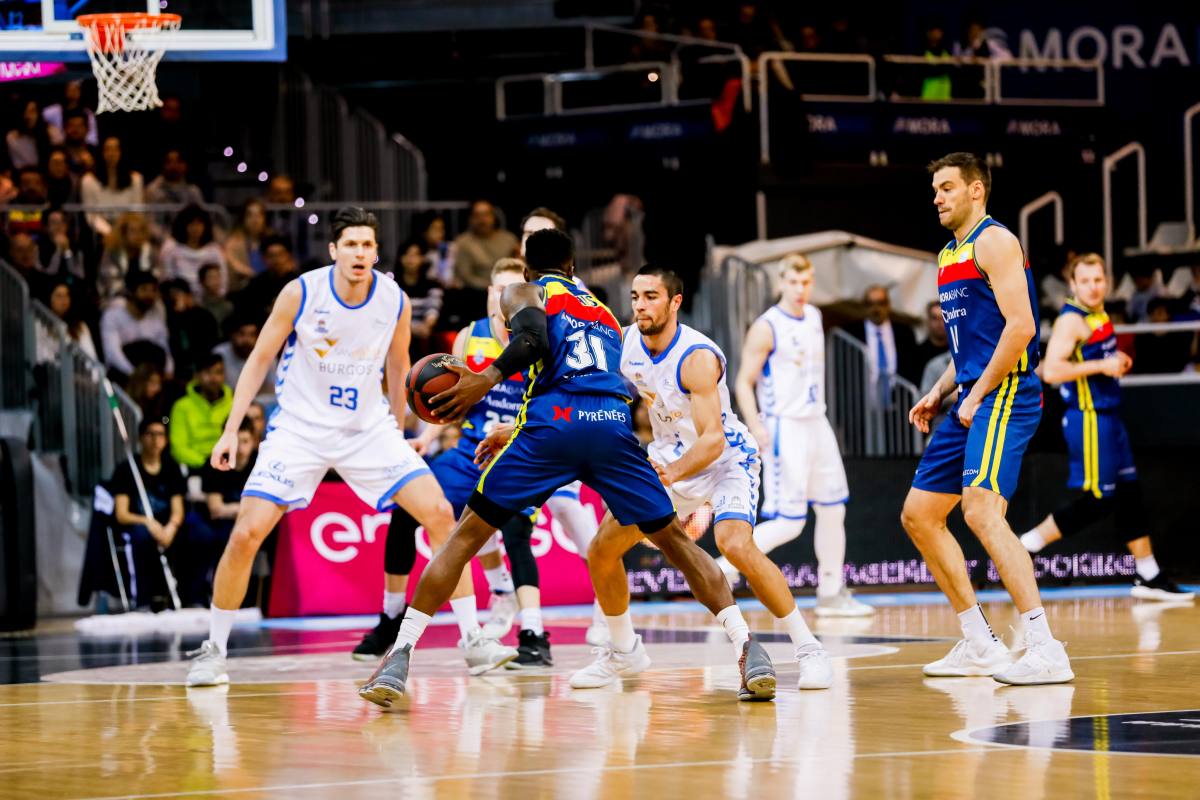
803 464
332 412
731 482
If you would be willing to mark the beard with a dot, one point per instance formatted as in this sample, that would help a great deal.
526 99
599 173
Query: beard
651 328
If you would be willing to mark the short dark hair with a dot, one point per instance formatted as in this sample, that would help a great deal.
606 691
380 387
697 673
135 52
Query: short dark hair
208 361
136 278
353 217
270 241
542 211
972 167
205 269
247 425
669 277
549 250
185 218
178 284
146 422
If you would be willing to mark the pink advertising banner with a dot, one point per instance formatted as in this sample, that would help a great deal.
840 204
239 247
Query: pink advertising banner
24 70
329 558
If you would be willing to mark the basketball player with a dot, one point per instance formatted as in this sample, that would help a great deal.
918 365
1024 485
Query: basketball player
342 326
702 453
1083 359
988 302
573 425
781 390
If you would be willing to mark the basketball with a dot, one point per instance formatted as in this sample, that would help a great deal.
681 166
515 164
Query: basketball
428 378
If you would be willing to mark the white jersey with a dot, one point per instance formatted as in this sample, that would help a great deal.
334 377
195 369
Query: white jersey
331 371
792 384
657 381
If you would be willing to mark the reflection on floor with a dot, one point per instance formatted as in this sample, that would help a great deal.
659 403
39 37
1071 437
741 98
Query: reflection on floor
89 719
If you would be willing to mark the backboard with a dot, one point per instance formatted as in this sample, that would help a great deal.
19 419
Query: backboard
213 30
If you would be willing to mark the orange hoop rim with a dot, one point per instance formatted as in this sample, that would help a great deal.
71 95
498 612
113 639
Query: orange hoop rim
127 20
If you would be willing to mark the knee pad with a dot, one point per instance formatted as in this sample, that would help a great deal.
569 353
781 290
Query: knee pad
1081 512
655 525
400 549
491 513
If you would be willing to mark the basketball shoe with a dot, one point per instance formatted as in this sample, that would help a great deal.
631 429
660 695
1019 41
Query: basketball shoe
970 658
842 604
1044 661
611 665
758 674
533 651
386 685
483 653
379 639
1161 588
208 668
815 670
502 610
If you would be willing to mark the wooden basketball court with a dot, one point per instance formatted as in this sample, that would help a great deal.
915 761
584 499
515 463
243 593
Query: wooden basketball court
291 724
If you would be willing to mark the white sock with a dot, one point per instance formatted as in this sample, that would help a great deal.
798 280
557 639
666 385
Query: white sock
531 620
411 628
975 626
774 532
577 520
620 628
1035 620
797 628
220 622
735 626
829 541
466 614
1033 541
597 613
499 579
1147 567
393 603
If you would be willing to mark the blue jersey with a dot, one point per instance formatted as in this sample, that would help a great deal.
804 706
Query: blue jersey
1093 392
972 315
502 402
585 344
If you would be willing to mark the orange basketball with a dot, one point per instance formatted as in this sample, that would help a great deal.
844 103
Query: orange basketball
428 378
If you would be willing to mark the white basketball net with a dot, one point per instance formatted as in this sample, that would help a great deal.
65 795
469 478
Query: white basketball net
125 50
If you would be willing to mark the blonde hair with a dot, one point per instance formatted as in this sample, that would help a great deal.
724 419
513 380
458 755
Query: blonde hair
508 265
1087 258
796 262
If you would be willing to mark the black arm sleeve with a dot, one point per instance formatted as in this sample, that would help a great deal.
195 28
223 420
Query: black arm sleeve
530 342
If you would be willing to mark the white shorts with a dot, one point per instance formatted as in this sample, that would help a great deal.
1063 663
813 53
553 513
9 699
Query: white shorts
731 485
803 465
376 463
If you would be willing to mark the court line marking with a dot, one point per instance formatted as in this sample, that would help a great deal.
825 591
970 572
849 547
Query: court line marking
428 779
963 735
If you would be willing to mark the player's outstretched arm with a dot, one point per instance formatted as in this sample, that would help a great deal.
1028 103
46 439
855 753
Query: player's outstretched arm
699 375
999 255
759 341
275 332
525 312
1057 367
398 363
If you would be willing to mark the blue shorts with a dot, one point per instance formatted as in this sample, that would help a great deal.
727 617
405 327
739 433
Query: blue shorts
988 454
457 474
563 437
1099 450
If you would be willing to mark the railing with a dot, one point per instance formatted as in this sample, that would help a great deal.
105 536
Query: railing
1189 171
1033 206
16 339
1110 164
1041 65
866 424
661 75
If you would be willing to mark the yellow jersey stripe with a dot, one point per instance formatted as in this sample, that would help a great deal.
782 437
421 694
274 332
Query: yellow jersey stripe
1097 489
991 433
1087 453
1012 393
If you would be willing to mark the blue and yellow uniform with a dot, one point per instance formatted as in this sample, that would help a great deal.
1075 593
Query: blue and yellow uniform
575 422
1096 438
988 454
455 469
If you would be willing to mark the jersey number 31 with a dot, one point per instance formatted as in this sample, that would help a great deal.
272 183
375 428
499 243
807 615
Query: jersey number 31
587 351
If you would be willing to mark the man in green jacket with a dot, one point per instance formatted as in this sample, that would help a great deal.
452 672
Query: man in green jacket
198 417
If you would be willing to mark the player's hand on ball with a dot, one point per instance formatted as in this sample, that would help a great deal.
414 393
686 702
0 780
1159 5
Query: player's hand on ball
925 410
486 450
225 452
454 403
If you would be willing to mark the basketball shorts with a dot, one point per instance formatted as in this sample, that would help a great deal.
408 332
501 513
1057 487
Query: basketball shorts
458 475
731 486
803 465
988 454
1099 451
375 463
561 438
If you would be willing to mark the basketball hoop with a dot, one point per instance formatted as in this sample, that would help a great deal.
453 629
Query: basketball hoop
125 50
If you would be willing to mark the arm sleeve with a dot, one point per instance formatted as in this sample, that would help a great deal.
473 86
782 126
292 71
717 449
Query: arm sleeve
530 342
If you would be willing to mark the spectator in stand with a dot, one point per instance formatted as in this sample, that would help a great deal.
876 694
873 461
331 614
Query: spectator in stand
977 44
243 246
60 255
425 294
481 246
56 114
194 332
23 257
211 298
1147 286
223 488
145 388
30 137
430 227
256 300
1056 288
62 305
936 85
935 343
169 129
1162 352
257 414
754 32
81 156
113 187
890 344
128 250
189 548
61 185
31 193
281 192
191 246
198 418
650 47
1190 297
171 187
243 335
842 37
706 29
133 330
